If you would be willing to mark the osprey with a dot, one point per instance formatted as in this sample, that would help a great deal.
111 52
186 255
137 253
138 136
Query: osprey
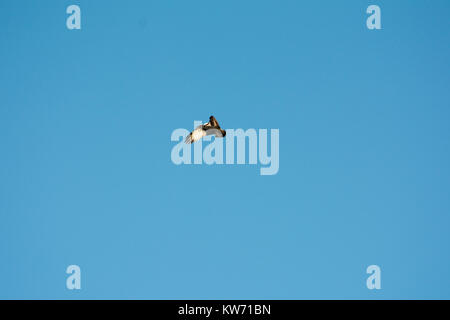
206 129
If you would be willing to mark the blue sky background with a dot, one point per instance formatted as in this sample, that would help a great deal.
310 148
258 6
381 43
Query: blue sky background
85 170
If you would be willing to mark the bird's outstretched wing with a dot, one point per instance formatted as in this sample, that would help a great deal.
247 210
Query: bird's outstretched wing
213 122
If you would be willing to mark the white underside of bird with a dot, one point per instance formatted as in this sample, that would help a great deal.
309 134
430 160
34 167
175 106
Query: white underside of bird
198 133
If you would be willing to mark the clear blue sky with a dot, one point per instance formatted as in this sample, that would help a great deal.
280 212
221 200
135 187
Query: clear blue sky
85 171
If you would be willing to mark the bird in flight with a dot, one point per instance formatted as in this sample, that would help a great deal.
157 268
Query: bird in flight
206 129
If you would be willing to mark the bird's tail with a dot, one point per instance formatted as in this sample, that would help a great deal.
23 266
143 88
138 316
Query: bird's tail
188 139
